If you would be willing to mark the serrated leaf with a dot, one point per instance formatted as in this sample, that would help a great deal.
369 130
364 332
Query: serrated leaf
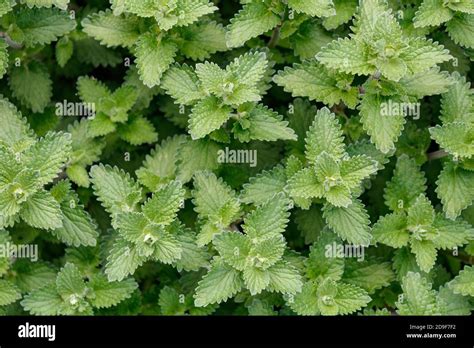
254 19
182 84
319 8
122 260
407 183
107 294
313 80
206 116
325 134
42 211
383 130
9 293
42 25
219 284
432 13
203 39
43 301
111 30
264 185
115 189
455 189
391 230
461 29
163 206
32 85
463 283
418 298
351 223
268 219
154 56
49 155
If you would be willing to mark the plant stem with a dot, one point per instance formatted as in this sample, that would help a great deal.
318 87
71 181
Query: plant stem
437 154
275 37
9 41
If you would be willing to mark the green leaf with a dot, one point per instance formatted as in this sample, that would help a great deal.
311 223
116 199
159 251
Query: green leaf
163 206
461 29
350 298
32 86
43 301
311 79
455 189
266 125
107 294
264 185
42 211
42 25
9 293
112 30
455 138
345 9
357 168
154 56
305 184
195 156
325 134
417 298
49 155
347 56
319 8
3 58
407 183
255 279
284 278
425 253
369 277
429 82
207 116
182 84
137 130
70 283
452 233
91 90
214 200
254 19
115 189
432 13
64 50
219 284
161 165
77 228
234 248
203 39
424 54
464 283
391 230
16 132
457 102
268 219
351 223
123 260
383 129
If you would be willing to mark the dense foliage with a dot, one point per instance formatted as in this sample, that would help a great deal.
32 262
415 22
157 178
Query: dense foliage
261 157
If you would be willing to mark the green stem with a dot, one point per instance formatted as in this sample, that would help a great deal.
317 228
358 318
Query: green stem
437 154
